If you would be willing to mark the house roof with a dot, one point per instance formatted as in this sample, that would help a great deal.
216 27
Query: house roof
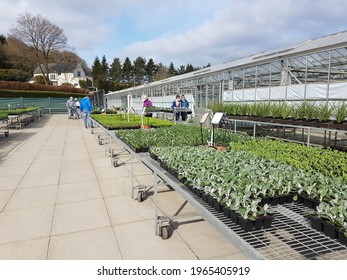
62 68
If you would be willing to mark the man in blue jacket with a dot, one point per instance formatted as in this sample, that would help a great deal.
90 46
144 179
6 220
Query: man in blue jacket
86 109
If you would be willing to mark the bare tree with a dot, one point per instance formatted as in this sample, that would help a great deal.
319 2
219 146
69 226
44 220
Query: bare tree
41 36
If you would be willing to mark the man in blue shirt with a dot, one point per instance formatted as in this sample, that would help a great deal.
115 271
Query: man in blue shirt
86 109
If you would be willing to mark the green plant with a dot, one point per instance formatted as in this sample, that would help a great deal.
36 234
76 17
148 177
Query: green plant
325 112
341 112
3 116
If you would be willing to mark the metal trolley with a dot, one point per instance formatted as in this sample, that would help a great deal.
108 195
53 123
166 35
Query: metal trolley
4 127
289 237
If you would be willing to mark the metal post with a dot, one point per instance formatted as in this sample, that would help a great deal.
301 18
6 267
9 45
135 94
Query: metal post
308 136
156 218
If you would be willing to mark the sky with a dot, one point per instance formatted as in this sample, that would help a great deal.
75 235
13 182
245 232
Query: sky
197 32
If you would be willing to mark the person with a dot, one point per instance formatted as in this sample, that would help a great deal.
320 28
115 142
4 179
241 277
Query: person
78 107
185 104
146 104
175 105
69 104
86 109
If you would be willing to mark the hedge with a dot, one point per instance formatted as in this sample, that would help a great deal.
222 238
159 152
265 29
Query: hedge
9 85
36 94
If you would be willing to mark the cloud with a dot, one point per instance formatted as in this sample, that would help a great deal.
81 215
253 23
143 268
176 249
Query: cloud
244 28
189 31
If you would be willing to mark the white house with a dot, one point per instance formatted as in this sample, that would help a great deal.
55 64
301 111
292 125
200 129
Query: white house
67 73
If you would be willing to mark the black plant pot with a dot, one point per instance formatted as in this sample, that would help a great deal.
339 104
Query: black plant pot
309 202
198 193
205 197
210 201
234 217
267 221
274 201
265 200
330 230
341 237
153 156
226 212
289 198
258 223
217 205
245 224
316 223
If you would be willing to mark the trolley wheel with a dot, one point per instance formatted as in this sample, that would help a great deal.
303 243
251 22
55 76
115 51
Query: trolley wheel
115 163
100 142
140 196
6 134
92 131
164 233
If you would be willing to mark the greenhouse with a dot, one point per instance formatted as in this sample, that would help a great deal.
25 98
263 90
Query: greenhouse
314 70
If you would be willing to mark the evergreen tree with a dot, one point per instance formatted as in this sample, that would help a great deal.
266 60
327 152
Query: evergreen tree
96 68
139 70
127 70
189 68
104 69
150 70
116 70
181 70
172 70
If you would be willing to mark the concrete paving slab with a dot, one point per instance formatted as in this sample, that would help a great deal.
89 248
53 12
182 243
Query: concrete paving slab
40 179
79 216
201 244
48 159
35 249
25 224
77 156
77 175
39 167
102 162
9 182
110 172
116 186
14 169
123 209
76 165
10 161
137 241
78 191
96 244
4 198
24 198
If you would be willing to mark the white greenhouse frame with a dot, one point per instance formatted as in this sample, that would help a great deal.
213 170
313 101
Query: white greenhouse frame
314 70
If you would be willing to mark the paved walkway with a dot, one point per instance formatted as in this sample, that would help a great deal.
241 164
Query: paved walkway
60 198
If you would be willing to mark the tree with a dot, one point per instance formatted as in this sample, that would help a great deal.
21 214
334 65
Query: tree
181 70
116 70
139 70
96 67
150 70
3 59
41 36
162 73
190 68
127 70
172 70
104 69
19 56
